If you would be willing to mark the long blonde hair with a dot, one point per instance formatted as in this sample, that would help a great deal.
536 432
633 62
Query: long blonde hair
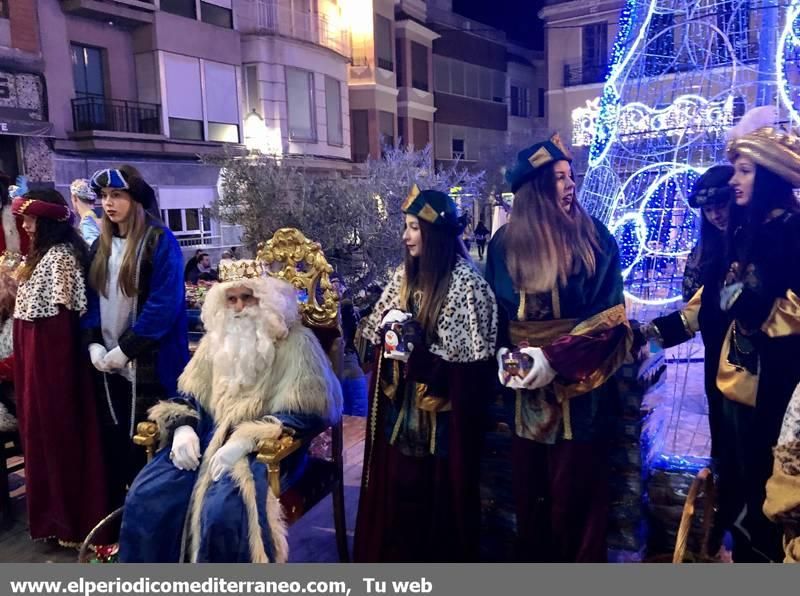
544 245
98 273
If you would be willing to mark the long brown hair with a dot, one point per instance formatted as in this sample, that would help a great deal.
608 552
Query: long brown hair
49 233
544 245
427 277
98 273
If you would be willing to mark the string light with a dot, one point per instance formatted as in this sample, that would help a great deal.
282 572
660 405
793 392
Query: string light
787 43
688 114
679 76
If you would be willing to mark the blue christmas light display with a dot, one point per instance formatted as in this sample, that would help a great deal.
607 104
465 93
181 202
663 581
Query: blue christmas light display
681 72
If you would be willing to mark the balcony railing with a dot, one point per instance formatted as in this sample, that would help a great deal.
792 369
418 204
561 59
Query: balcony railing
584 73
101 113
125 12
269 17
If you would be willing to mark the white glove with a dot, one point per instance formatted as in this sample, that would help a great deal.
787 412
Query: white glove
729 294
501 374
115 359
185 454
97 353
541 373
395 316
231 452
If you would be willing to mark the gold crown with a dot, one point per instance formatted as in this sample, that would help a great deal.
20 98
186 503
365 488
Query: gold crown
239 270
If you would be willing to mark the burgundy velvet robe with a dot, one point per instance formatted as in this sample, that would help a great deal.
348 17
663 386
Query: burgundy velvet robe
426 509
65 486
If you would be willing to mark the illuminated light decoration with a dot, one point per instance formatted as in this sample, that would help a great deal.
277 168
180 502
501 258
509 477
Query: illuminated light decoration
788 43
680 74
584 122
620 56
260 137
688 114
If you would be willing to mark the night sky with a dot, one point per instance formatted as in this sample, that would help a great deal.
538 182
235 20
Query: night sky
516 17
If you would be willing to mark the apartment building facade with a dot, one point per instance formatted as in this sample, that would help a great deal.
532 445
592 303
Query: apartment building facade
296 56
424 74
153 84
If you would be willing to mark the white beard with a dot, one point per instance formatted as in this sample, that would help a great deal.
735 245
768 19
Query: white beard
243 350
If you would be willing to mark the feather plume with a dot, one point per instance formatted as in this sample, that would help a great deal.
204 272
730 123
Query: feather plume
754 119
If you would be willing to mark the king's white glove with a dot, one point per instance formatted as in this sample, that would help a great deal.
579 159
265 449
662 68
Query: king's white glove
185 454
115 359
541 373
395 316
231 452
97 353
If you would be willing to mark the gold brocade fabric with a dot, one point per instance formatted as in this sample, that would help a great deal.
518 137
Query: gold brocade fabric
782 504
735 382
537 411
784 319
691 312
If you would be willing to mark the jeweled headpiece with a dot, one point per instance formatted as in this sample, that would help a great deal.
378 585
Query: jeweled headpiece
239 270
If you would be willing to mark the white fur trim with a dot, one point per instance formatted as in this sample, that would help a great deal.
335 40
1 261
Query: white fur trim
164 414
8 422
469 302
300 380
278 528
10 230
7 339
258 430
243 478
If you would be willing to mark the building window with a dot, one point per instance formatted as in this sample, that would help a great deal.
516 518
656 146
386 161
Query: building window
402 79
540 106
184 97
222 102
174 219
383 43
4 9
300 98
457 148
182 8
520 102
223 133
498 86
216 15
419 66
421 133
359 128
251 82
595 45
187 222
182 128
457 78
333 110
386 129
87 71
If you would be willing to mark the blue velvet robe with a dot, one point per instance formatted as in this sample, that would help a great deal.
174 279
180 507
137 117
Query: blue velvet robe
157 505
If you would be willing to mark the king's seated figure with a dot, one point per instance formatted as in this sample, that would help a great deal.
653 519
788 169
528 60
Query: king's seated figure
257 372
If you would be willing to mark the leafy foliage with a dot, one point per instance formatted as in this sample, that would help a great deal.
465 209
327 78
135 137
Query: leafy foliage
355 217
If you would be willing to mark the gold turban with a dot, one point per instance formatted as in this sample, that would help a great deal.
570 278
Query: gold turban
771 148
